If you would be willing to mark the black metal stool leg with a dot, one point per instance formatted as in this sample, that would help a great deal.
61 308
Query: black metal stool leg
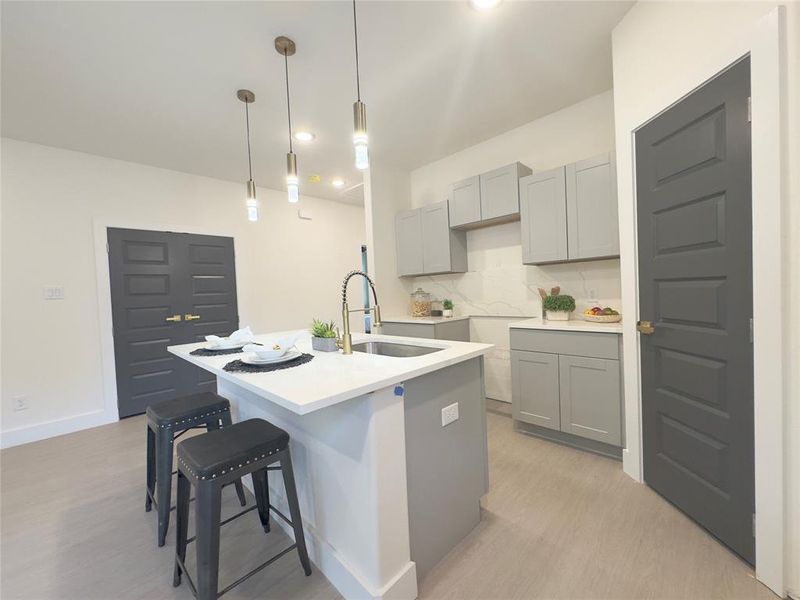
226 422
207 510
260 486
181 525
294 509
163 481
151 469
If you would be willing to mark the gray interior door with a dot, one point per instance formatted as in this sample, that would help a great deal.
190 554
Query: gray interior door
695 284
166 288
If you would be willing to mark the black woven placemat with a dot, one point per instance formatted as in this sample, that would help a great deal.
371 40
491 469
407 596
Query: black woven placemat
237 366
207 352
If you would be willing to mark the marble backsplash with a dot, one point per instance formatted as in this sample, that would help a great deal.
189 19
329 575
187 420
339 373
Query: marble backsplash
499 289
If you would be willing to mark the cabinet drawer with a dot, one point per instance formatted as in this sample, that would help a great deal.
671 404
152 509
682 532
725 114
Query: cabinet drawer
417 330
576 343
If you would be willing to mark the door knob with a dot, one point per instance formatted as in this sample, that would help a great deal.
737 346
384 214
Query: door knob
645 327
173 318
191 317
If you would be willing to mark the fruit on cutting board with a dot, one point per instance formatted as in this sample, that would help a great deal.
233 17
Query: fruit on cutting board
597 311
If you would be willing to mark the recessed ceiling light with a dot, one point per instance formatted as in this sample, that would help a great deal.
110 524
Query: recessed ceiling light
304 136
337 182
484 4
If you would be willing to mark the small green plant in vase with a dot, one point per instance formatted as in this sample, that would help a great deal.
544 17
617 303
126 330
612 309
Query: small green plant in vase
323 336
558 307
447 308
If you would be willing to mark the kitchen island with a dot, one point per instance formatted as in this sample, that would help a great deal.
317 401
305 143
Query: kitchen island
386 490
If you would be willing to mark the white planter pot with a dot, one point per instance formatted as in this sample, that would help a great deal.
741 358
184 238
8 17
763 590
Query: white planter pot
557 315
447 312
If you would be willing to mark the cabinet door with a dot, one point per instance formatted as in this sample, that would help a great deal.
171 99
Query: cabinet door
590 398
435 238
534 393
465 202
408 241
500 192
543 210
592 220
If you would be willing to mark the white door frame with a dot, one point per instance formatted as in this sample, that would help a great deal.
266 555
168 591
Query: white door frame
105 319
764 46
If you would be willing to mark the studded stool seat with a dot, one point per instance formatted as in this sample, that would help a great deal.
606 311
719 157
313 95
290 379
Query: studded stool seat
210 461
166 421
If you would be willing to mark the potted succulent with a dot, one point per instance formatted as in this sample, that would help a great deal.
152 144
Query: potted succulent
447 308
558 307
323 336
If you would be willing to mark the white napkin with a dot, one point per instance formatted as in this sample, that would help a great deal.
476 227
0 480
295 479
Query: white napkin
274 347
245 334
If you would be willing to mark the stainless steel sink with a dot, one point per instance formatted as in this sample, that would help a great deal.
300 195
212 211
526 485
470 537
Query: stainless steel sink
394 349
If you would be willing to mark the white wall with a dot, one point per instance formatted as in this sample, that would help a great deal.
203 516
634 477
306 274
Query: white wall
661 51
498 288
288 270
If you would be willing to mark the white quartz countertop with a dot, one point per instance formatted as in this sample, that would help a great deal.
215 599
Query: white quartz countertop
333 377
571 325
422 320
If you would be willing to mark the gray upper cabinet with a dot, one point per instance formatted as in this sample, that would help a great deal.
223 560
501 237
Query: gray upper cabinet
535 388
465 202
408 242
590 398
488 198
592 208
425 243
543 207
570 213
500 192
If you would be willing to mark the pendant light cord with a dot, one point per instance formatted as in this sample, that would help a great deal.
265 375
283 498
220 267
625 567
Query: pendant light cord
247 120
355 36
288 104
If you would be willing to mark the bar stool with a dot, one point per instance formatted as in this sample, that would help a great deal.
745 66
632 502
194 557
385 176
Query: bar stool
213 460
166 422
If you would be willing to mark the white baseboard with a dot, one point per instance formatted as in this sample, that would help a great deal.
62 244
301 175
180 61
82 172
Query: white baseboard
41 431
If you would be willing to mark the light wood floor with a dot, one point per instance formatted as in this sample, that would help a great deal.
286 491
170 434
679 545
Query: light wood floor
558 523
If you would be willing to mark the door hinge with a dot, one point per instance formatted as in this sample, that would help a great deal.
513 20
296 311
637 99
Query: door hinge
751 330
749 109
108 248
754 524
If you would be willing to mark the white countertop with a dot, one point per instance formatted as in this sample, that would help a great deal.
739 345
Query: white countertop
422 320
571 325
333 377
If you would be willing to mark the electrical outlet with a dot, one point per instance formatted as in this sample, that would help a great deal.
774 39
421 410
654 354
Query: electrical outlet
54 292
20 403
449 414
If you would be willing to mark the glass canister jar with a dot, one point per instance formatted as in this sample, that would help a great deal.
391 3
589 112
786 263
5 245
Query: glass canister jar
420 304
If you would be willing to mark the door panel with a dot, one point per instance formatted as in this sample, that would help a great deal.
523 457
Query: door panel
408 240
435 238
161 275
695 277
543 210
465 202
499 192
592 220
590 398
534 377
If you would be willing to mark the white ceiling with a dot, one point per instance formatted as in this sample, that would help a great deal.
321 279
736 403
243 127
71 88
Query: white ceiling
155 82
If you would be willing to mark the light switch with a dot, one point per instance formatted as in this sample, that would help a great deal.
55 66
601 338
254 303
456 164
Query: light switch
55 292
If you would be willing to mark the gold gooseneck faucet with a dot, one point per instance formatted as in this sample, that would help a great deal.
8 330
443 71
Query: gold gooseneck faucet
346 341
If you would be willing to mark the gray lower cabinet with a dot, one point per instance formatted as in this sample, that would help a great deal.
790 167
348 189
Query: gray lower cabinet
570 213
426 245
534 380
456 331
590 398
569 382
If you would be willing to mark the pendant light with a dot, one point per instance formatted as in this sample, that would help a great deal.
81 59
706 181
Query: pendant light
360 138
286 47
248 98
